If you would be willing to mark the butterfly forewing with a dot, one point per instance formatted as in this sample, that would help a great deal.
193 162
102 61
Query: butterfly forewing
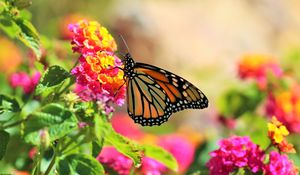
181 93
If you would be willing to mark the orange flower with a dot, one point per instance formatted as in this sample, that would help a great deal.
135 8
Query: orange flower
257 66
285 105
277 133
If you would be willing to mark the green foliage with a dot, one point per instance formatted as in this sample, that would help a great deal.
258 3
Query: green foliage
236 102
96 147
8 104
79 164
52 79
162 156
17 27
4 138
54 119
104 130
255 130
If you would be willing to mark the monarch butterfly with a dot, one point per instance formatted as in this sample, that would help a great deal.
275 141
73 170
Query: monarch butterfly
153 94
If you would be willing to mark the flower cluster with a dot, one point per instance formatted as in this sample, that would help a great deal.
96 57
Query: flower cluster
25 81
277 132
280 164
285 105
98 74
235 152
257 66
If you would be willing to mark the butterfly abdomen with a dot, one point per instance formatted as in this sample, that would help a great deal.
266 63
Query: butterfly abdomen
129 65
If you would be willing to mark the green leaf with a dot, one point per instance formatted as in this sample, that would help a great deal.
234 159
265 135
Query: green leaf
19 28
29 36
96 147
131 149
8 25
79 164
52 78
258 130
8 104
57 120
236 102
161 156
39 66
4 138
21 4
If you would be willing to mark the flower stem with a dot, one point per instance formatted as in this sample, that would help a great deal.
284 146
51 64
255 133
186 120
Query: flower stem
269 146
51 164
15 123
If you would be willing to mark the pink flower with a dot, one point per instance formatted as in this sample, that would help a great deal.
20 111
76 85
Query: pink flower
235 152
115 160
180 148
152 167
98 72
280 164
123 125
32 152
22 79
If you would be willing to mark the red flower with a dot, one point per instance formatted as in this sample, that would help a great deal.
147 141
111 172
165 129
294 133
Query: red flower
257 66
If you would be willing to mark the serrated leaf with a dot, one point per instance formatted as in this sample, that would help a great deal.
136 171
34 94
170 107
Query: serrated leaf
79 164
161 156
57 120
8 104
4 138
53 77
104 130
29 36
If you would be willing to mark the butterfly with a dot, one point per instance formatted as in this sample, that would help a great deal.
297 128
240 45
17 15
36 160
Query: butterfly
153 94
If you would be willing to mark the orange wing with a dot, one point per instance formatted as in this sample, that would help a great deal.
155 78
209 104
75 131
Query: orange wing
154 94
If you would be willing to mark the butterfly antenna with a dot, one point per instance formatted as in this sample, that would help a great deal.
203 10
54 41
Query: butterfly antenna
124 42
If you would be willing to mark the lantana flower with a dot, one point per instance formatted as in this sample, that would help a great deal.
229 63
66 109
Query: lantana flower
285 105
25 81
235 152
277 133
98 75
257 66
279 165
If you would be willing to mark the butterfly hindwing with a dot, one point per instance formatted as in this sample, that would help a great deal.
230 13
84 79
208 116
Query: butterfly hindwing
147 102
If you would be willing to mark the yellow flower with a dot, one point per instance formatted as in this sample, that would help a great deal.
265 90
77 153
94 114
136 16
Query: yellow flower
277 133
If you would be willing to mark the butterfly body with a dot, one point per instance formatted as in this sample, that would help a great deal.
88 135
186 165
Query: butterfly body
153 94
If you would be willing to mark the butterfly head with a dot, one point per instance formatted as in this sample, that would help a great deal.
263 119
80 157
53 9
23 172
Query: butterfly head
129 65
